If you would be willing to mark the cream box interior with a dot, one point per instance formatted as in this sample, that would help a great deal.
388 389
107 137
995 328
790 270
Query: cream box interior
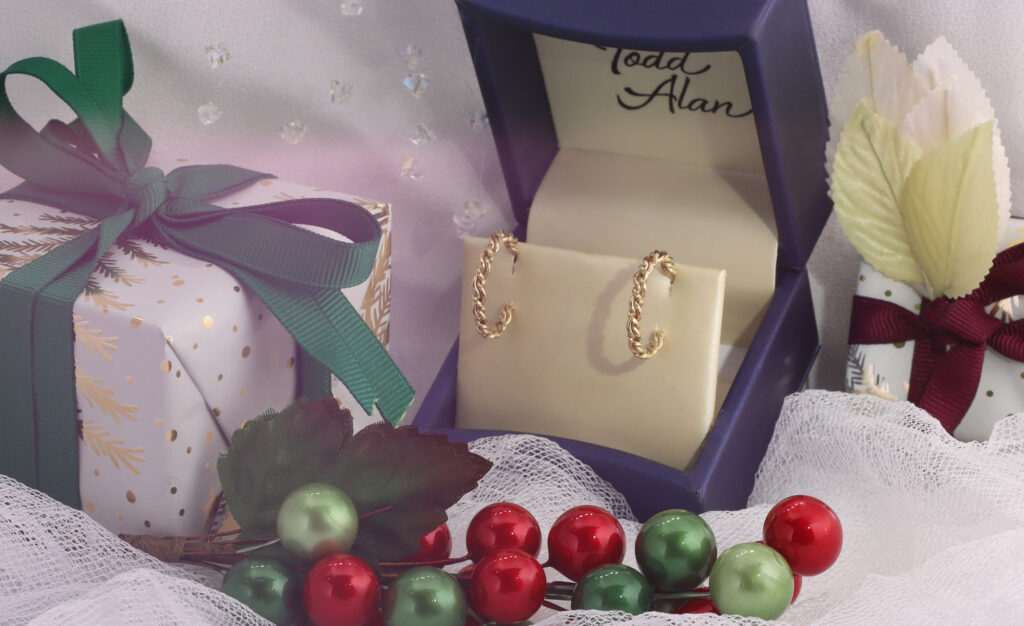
659 150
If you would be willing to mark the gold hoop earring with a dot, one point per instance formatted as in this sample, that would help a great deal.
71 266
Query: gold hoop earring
502 237
667 266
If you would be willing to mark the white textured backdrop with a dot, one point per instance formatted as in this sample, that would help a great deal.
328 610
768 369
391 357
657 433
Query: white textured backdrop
284 56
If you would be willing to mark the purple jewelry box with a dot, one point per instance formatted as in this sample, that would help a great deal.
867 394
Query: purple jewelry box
774 40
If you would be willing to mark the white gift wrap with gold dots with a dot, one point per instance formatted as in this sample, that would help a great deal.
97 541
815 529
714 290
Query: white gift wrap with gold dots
171 356
884 369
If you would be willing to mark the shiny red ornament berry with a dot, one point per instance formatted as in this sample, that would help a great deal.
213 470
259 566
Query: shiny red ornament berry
508 586
697 605
583 539
340 590
502 525
806 532
434 546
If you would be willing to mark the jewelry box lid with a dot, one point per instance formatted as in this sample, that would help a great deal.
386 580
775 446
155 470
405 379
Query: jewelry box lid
772 38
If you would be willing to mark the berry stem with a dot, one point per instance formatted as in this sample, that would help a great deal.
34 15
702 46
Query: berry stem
252 540
552 605
439 563
258 546
561 586
383 509
220 567
683 595
226 533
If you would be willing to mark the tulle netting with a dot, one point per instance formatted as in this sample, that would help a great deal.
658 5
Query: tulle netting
934 528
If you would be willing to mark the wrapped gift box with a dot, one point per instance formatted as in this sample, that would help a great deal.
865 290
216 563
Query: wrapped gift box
884 369
172 355
692 127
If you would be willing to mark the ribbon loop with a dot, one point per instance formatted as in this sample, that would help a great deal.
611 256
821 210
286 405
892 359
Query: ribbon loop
96 166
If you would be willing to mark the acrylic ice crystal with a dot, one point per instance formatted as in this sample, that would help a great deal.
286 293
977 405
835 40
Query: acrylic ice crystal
416 84
218 55
293 132
208 113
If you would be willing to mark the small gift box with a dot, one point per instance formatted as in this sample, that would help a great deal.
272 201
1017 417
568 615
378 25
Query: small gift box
194 300
986 384
921 185
689 127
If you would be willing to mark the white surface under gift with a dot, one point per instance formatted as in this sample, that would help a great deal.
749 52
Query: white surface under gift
172 354
884 369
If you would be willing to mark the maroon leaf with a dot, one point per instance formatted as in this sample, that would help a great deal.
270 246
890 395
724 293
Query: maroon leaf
418 475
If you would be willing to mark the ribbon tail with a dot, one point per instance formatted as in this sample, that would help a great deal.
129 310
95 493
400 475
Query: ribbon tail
314 379
326 325
947 383
393 392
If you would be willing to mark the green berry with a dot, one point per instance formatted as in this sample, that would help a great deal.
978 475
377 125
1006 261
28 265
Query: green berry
675 550
317 520
752 580
425 596
266 586
614 588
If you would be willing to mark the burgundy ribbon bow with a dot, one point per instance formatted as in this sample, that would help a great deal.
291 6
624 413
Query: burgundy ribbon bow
951 337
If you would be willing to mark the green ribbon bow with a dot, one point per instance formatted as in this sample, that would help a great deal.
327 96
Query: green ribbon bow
96 166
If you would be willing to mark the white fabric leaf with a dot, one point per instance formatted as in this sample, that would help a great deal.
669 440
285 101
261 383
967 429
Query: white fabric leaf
878 72
951 215
940 62
872 163
945 114
940 66
951 111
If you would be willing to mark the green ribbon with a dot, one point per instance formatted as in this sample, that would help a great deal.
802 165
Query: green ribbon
96 166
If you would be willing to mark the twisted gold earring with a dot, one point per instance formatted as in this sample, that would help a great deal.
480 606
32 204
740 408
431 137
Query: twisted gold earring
498 239
667 266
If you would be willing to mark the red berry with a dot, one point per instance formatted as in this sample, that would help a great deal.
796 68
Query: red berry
806 532
434 546
340 590
508 586
697 605
502 525
583 539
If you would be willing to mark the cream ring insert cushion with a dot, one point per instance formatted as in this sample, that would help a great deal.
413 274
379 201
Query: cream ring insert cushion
565 369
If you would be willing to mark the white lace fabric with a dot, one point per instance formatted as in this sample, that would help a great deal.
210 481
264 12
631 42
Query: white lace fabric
933 528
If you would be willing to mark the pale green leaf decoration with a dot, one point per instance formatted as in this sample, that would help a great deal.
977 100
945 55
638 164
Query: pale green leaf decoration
873 160
952 217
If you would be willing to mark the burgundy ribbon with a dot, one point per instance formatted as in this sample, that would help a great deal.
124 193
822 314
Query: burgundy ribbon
951 337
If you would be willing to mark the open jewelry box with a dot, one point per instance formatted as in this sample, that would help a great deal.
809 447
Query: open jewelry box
692 126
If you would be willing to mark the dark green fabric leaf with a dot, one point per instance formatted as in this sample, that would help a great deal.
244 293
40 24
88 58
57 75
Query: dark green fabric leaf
276 453
419 475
